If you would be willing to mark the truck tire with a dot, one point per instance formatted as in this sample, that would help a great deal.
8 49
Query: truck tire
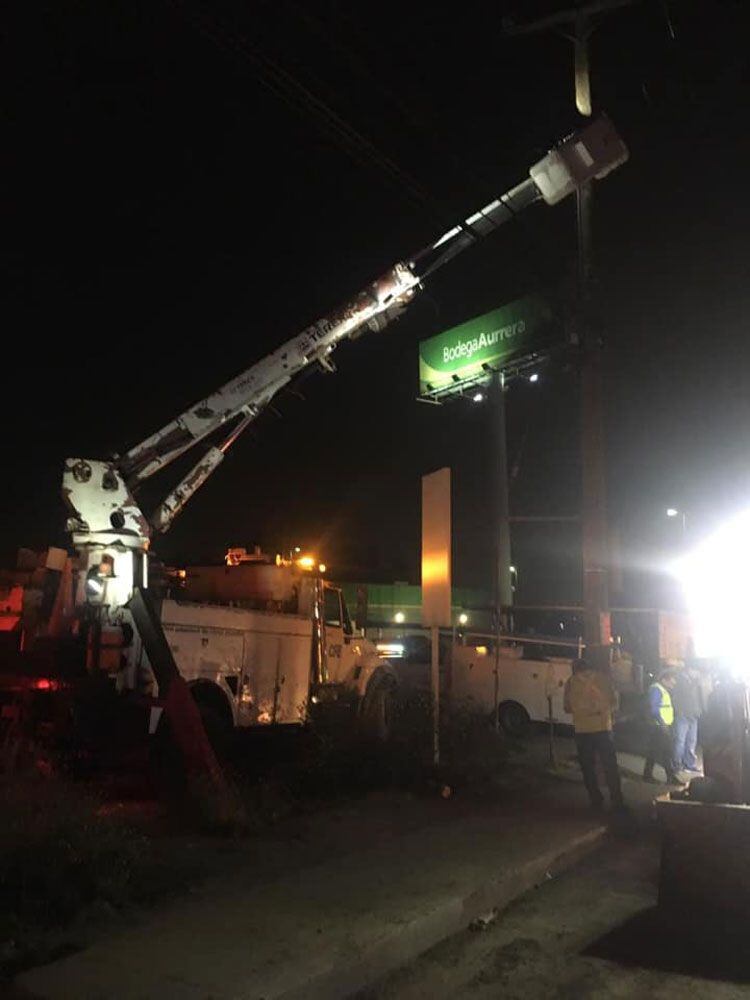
513 718
218 730
167 765
216 717
379 710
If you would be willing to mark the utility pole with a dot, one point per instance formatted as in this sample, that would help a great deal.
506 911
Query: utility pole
593 483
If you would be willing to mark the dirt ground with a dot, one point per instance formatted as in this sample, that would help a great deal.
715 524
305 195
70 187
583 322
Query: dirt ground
327 820
303 803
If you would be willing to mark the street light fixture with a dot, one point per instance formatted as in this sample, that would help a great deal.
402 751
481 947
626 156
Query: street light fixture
534 377
477 397
399 618
463 618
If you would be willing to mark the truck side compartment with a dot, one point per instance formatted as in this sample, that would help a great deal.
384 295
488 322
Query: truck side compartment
260 660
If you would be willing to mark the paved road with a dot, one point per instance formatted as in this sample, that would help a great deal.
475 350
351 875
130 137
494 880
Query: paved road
592 933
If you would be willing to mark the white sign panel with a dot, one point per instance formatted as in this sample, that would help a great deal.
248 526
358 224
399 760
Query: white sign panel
436 548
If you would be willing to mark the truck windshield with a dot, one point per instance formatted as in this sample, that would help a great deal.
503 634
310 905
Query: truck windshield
348 630
332 607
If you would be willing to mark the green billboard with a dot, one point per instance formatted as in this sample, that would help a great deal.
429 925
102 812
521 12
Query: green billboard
466 353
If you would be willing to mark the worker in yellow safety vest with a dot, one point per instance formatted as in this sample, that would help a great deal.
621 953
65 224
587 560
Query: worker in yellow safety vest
660 721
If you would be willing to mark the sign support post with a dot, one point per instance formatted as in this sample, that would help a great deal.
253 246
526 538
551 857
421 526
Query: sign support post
436 579
435 688
500 501
503 589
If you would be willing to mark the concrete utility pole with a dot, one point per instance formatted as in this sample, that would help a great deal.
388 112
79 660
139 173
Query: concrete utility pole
593 486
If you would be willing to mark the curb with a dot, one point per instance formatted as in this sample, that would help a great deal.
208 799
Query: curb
410 940
344 971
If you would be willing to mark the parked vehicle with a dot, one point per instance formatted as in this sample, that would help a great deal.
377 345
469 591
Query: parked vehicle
263 643
519 690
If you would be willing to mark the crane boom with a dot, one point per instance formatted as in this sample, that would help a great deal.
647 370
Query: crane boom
249 392
374 308
106 520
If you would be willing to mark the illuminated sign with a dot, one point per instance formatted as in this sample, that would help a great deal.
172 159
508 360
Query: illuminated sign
467 354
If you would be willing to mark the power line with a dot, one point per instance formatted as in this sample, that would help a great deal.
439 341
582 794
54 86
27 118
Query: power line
358 66
468 174
285 86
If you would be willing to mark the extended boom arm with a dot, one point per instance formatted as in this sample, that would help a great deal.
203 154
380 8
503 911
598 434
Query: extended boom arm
105 518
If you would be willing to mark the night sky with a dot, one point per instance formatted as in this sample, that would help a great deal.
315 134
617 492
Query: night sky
168 218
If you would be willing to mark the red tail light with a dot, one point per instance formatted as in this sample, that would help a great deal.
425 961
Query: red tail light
44 684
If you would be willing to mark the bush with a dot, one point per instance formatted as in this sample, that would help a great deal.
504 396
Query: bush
60 852
475 752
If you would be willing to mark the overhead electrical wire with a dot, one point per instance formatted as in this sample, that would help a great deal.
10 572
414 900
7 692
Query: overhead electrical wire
288 88
284 85
357 63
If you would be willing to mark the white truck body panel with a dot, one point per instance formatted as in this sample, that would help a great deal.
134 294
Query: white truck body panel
527 682
261 660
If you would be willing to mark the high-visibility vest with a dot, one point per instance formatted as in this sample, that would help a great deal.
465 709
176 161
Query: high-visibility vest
591 700
666 709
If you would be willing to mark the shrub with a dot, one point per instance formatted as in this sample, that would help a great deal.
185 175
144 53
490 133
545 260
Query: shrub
60 851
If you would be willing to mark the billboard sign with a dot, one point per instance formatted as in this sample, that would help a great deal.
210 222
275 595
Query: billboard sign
467 353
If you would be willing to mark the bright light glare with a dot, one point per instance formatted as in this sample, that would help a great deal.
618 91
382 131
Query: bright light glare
306 562
716 584
322 568
399 617
534 377
477 397
463 618
672 512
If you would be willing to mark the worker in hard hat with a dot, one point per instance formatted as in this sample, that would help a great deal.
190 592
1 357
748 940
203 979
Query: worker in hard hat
591 699
660 722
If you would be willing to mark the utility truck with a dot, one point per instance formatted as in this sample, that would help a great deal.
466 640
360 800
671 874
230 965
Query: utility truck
102 595
264 642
